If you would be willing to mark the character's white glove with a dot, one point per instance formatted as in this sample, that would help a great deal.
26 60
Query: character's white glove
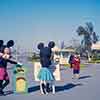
20 64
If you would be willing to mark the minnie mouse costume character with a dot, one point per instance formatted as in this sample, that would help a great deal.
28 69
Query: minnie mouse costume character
45 59
5 57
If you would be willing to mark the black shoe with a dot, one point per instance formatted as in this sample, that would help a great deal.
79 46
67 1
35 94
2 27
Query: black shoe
43 88
47 87
1 92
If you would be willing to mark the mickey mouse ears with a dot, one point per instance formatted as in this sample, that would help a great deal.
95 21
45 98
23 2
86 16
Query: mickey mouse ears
10 43
51 44
1 43
40 45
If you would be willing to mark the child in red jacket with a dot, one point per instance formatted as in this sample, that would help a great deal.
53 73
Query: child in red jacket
76 66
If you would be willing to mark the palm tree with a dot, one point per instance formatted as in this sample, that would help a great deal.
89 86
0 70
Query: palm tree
95 37
86 42
89 36
89 27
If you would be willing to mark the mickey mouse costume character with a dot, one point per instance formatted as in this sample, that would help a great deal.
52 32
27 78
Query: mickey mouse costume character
45 59
5 57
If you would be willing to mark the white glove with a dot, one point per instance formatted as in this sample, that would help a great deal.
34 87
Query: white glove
20 64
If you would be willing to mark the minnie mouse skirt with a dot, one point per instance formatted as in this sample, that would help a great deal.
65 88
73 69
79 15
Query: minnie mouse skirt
3 74
45 75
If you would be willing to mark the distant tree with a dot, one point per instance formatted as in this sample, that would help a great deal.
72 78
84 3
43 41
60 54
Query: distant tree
89 36
95 37
89 27
86 42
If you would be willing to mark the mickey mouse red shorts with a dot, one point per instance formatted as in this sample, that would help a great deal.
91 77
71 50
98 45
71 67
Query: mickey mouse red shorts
3 74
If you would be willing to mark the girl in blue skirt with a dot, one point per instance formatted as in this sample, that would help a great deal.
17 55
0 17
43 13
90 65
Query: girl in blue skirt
45 59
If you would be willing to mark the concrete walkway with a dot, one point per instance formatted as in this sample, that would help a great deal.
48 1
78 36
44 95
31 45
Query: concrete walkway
86 88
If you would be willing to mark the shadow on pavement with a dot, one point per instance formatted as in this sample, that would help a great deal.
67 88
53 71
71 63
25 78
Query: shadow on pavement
84 77
67 87
33 89
58 88
8 92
